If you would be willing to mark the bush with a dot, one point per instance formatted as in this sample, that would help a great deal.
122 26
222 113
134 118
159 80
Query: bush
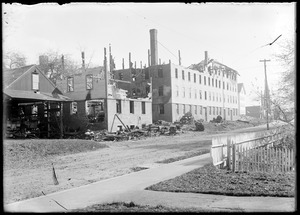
199 126
187 118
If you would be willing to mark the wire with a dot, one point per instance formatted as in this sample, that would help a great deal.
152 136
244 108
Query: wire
168 50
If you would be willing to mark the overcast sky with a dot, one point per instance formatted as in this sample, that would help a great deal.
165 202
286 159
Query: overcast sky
233 34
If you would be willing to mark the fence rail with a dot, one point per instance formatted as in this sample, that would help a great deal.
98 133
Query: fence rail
256 153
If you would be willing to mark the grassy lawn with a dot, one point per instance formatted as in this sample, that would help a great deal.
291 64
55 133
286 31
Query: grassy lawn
132 207
211 180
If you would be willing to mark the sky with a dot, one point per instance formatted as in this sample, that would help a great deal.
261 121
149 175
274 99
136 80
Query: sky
233 34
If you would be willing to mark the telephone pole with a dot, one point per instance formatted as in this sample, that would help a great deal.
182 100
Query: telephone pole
266 91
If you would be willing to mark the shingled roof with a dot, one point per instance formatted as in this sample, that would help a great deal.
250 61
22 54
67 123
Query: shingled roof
10 75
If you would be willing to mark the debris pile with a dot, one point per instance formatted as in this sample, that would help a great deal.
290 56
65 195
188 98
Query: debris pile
159 128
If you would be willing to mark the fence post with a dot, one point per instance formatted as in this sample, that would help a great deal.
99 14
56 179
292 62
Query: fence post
228 153
233 157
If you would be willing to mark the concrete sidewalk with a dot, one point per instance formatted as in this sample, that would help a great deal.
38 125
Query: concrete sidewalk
131 187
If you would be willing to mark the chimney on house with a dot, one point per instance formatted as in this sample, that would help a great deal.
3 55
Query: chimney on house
153 47
83 62
43 60
63 62
205 58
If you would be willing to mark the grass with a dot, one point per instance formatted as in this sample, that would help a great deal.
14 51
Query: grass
211 180
132 207
31 149
187 155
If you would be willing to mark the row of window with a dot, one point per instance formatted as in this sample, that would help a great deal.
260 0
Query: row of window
210 81
211 95
211 110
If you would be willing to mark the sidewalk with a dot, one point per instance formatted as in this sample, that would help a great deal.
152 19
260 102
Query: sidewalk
131 187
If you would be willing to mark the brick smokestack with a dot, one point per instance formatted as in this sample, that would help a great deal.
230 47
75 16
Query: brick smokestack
153 47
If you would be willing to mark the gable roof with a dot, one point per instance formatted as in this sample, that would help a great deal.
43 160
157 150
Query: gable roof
10 75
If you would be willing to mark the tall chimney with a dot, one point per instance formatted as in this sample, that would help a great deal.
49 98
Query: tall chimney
122 63
148 57
153 47
130 66
179 57
205 58
83 63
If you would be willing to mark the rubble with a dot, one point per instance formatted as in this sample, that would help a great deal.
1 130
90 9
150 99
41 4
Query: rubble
159 128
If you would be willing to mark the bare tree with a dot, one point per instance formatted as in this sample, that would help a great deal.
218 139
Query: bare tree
14 60
56 65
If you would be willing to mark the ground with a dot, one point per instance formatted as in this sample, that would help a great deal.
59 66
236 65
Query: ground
28 169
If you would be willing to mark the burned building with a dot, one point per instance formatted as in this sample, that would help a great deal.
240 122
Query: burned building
206 89
101 102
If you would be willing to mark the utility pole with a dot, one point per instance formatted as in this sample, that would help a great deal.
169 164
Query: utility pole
266 91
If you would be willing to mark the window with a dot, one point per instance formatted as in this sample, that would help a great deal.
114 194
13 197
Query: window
95 110
201 110
190 108
182 74
209 109
118 106
209 96
70 84
177 108
195 109
190 92
223 85
199 79
161 91
189 76
216 83
205 97
160 72
228 111
195 94
183 108
121 75
200 94
183 92
143 108
131 103
161 109
227 86
219 84
213 95
212 82
195 77
213 110
204 80
89 82
35 81
73 108
208 81
176 73
177 91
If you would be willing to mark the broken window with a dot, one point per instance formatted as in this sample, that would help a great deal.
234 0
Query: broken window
176 73
131 104
161 91
118 106
73 108
204 80
70 84
121 76
143 108
195 77
189 76
161 109
219 84
216 83
95 110
160 72
182 74
89 82
199 79
35 81
208 81
212 82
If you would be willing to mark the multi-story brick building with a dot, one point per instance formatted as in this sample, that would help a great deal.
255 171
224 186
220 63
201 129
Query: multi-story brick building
207 89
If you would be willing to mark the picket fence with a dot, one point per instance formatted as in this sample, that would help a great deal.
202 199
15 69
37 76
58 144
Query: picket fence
255 154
